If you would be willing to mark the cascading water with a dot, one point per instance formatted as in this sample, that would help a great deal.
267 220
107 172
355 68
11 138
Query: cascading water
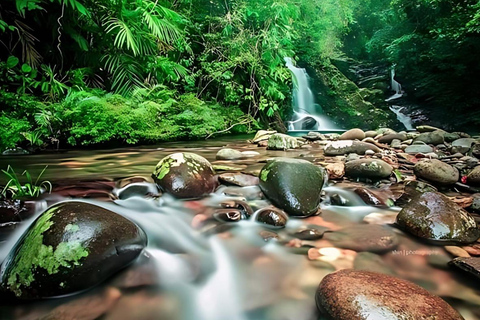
403 118
396 86
304 103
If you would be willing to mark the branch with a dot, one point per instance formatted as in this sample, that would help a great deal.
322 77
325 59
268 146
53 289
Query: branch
249 120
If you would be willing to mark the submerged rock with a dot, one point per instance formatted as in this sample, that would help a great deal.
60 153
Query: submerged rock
293 185
272 217
69 248
369 237
362 295
280 141
436 171
368 168
185 175
338 148
433 216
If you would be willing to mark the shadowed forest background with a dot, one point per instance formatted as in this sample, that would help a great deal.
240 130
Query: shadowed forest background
90 72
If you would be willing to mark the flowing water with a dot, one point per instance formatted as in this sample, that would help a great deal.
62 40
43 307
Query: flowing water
403 118
395 86
193 270
304 106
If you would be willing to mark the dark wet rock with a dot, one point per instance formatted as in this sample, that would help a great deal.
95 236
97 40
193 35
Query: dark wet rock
471 265
368 261
308 123
263 135
338 200
185 175
422 148
15 152
394 136
238 179
229 154
271 216
434 137
462 145
140 189
369 237
13 211
368 168
436 172
280 141
69 248
314 136
293 185
353 134
228 215
362 295
99 189
338 148
473 177
369 197
244 207
310 233
411 190
433 216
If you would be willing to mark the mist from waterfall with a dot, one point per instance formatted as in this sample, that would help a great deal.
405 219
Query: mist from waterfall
304 103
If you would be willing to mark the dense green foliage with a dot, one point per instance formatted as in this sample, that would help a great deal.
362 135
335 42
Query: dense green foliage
434 45
83 72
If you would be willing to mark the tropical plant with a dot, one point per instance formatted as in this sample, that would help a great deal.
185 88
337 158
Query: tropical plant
14 188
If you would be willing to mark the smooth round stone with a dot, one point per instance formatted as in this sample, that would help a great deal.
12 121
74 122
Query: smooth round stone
390 137
338 148
70 247
310 233
280 141
293 185
185 175
228 154
353 134
416 148
368 168
271 216
436 171
371 134
434 137
473 177
462 145
368 237
362 295
433 216
228 215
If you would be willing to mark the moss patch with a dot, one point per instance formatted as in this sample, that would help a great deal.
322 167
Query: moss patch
34 254
264 174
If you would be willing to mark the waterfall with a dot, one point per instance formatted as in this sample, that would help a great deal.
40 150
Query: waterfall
396 86
403 118
305 113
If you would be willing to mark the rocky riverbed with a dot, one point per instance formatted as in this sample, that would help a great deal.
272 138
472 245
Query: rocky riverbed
378 224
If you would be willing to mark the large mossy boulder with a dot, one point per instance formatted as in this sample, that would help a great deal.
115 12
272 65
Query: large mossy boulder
368 169
70 247
433 216
436 172
280 141
293 185
362 295
185 175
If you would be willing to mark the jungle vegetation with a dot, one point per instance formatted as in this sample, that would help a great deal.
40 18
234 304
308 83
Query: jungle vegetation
93 72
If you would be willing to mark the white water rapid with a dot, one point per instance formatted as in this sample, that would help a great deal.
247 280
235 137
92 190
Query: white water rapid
304 105
396 87
403 118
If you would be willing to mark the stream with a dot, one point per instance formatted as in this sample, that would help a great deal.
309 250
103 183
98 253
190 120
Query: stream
215 271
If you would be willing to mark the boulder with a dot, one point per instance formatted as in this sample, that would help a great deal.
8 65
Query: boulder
462 145
337 148
353 134
280 141
185 175
229 154
363 295
293 185
70 247
390 137
263 135
436 172
434 137
368 168
473 177
433 216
